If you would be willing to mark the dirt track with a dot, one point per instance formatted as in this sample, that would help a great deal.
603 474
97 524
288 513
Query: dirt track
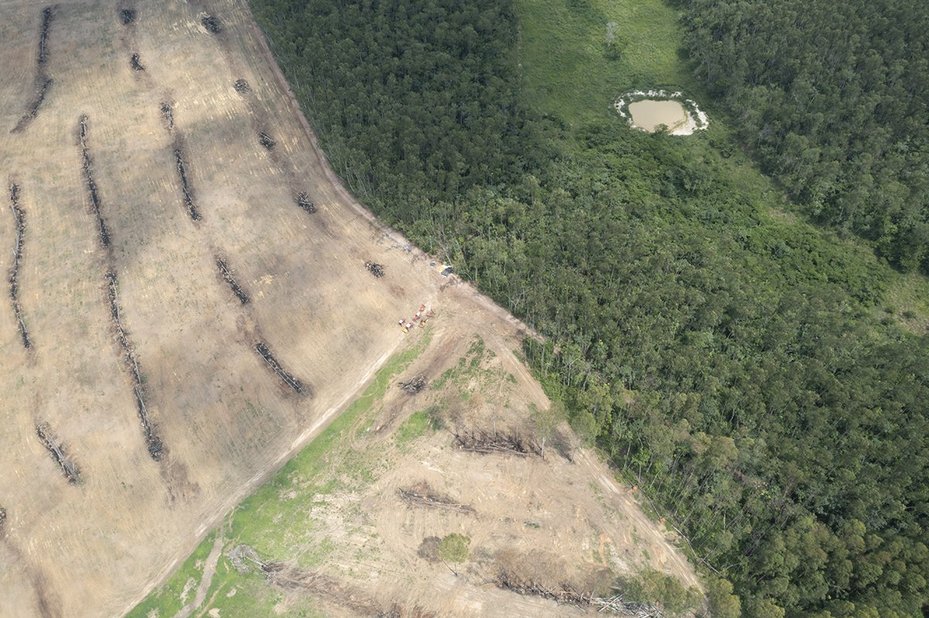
226 421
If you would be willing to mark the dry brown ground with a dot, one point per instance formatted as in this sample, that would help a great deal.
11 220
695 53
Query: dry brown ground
91 549
560 519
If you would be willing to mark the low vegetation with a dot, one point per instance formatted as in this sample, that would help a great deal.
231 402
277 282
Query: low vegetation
749 371
454 547
273 522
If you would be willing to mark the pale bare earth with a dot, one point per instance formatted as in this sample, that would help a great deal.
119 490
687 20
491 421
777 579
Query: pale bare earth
559 520
95 547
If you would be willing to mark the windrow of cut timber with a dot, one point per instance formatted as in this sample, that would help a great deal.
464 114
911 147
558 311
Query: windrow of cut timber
167 114
181 167
260 117
87 168
180 164
230 280
42 81
19 219
286 377
57 450
47 14
152 440
154 444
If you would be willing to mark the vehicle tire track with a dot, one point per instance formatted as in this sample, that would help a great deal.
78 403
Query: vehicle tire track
47 604
209 569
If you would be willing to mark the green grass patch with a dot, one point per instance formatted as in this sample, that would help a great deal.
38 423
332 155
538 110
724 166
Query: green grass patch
167 600
276 520
416 426
454 547
467 367
566 67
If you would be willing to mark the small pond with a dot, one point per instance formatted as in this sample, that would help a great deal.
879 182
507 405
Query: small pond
650 114
654 110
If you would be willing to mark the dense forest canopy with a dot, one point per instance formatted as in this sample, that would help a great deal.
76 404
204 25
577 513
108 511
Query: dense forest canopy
743 367
832 98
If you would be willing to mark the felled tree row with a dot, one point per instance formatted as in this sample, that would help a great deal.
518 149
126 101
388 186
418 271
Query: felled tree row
286 377
88 170
19 217
57 450
154 444
227 276
152 440
42 80
181 168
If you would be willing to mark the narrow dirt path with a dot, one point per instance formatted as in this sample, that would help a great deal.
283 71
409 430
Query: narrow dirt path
668 553
209 569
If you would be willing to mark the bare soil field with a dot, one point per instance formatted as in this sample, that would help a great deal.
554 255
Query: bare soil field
188 304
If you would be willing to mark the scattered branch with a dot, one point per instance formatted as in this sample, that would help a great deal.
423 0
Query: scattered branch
414 384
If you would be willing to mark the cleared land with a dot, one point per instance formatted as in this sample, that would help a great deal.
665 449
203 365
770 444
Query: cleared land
192 280
353 524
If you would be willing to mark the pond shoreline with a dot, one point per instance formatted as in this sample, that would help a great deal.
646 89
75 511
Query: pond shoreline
693 119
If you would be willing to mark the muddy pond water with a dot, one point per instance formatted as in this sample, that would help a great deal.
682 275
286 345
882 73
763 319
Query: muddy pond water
650 114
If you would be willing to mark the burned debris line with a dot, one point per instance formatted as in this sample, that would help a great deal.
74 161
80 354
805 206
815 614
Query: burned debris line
152 441
167 113
47 15
289 380
212 24
185 183
304 202
42 81
57 451
375 269
88 169
19 217
230 280
413 385
266 140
